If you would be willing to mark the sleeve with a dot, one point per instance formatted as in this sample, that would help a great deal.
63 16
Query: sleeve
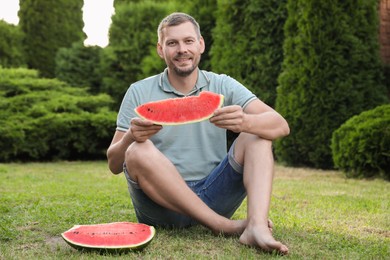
126 110
235 93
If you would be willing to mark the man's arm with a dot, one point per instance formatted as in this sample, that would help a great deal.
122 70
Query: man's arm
257 118
139 131
117 149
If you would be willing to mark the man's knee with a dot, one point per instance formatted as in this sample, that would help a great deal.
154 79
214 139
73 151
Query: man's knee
137 152
252 144
249 140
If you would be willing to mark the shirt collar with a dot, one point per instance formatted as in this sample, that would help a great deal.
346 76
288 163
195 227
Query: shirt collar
201 82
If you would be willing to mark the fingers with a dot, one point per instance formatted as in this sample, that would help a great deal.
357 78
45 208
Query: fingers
228 112
230 117
143 129
140 122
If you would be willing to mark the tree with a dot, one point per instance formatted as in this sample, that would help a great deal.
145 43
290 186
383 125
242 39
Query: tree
247 43
80 66
131 54
49 25
331 71
11 49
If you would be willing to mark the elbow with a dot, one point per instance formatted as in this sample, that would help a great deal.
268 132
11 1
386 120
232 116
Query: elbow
283 129
114 168
286 129
116 172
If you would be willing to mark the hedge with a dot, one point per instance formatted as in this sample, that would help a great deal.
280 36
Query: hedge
248 43
46 119
331 72
361 146
48 26
131 54
11 48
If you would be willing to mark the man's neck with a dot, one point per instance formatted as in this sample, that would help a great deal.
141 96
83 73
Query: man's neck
183 84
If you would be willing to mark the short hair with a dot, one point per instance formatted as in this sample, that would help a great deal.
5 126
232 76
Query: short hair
176 19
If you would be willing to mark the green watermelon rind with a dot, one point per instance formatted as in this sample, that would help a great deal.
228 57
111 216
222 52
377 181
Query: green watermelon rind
112 249
184 122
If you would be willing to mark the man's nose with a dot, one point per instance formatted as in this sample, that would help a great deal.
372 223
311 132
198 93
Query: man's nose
182 48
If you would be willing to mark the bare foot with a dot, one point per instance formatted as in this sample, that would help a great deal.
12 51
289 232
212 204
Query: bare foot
237 227
231 227
270 225
260 236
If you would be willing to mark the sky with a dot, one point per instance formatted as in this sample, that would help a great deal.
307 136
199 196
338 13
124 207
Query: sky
96 14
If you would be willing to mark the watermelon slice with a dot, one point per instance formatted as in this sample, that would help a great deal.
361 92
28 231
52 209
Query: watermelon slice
176 111
111 237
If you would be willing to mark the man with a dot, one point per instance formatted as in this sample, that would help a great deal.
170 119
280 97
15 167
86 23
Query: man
179 176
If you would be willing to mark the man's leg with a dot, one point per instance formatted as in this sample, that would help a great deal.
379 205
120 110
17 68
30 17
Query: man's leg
256 156
160 180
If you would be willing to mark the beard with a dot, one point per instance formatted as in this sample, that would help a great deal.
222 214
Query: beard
186 72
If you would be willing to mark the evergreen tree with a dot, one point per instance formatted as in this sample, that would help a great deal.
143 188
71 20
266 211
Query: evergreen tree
331 71
131 54
11 49
49 25
80 66
248 39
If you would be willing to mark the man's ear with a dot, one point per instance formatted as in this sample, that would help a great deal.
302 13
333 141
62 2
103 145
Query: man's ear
202 45
159 51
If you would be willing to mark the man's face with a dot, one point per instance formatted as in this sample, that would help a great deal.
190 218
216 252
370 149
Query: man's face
181 49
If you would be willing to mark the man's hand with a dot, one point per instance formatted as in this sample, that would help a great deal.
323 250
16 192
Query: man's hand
141 130
230 118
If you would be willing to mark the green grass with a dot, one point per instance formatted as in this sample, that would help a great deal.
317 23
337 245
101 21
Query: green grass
318 214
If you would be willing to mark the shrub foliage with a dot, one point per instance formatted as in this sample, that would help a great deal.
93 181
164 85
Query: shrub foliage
131 54
360 147
331 71
80 66
11 48
247 43
48 26
46 119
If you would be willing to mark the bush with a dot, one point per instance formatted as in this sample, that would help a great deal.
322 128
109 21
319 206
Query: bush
248 43
360 147
80 66
132 48
48 26
331 72
46 119
19 73
11 49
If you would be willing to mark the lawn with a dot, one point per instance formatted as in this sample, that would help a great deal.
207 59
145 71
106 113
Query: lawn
318 214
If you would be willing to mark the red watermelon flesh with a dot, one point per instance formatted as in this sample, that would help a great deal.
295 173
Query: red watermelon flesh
176 111
115 236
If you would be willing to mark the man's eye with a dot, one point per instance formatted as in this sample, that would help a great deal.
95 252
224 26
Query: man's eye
171 43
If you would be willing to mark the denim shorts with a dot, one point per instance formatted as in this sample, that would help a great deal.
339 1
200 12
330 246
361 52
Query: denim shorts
222 190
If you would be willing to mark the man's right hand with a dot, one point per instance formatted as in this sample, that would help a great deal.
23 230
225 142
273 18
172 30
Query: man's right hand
141 130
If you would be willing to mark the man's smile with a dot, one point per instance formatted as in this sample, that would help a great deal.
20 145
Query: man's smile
183 59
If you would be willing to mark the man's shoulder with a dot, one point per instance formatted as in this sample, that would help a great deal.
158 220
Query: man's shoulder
211 74
218 77
149 81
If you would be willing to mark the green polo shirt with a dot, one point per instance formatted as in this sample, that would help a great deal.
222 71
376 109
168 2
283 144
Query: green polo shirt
195 149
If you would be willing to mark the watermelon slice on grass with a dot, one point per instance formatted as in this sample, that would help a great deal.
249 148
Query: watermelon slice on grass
110 237
185 110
